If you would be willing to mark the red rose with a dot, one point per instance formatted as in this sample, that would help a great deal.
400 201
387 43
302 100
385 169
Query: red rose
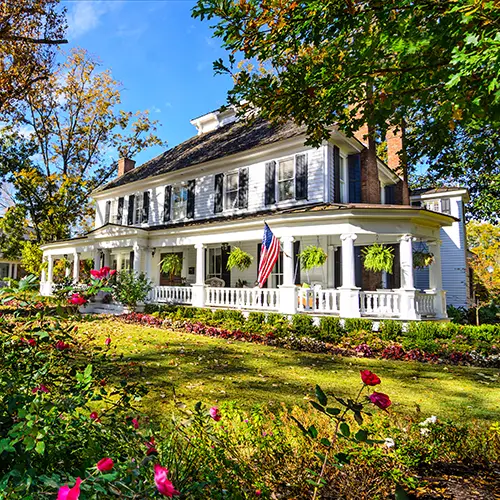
369 378
381 400
105 464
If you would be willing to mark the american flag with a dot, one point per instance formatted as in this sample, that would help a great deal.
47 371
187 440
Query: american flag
269 254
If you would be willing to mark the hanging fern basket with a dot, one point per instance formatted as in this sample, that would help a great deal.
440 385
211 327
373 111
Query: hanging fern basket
312 257
378 258
422 258
239 259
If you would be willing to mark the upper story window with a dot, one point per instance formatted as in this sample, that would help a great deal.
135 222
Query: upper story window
286 179
179 201
342 180
445 206
138 208
231 190
107 212
432 205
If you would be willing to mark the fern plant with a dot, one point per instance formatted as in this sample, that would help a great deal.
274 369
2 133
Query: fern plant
171 265
378 258
239 258
422 258
311 257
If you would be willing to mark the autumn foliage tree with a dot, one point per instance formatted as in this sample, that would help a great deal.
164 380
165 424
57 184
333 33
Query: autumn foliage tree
75 129
30 30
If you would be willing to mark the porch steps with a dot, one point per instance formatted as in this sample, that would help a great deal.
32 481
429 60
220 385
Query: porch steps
100 308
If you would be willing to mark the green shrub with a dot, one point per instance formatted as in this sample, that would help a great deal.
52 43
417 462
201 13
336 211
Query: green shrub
390 329
304 326
131 288
357 324
255 322
225 317
330 329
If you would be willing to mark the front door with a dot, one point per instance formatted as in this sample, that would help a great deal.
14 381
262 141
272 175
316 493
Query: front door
170 280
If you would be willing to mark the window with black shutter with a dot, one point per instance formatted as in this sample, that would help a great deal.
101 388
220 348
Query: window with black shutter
337 264
145 207
138 209
301 175
270 193
107 212
119 213
130 213
243 188
390 194
166 203
296 262
225 272
190 199
337 195
354 165
445 206
219 193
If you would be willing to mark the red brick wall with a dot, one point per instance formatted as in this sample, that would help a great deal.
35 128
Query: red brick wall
124 166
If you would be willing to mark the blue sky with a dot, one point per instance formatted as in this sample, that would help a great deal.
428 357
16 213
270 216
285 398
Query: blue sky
159 53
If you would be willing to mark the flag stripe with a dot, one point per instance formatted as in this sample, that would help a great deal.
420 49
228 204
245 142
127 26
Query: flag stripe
269 254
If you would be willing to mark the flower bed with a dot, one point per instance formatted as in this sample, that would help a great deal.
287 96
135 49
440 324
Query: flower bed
427 342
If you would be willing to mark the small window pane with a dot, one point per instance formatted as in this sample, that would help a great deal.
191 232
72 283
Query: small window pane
286 181
286 169
179 201
232 190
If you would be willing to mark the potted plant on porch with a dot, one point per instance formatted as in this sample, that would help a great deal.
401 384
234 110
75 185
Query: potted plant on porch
239 258
310 258
171 265
422 258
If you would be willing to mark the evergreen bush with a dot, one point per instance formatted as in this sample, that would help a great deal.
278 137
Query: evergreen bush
330 329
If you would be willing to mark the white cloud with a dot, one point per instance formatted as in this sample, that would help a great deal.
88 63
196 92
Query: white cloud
155 109
85 16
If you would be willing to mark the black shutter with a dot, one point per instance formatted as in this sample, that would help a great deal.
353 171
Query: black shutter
107 212
336 175
270 194
131 258
166 203
130 214
358 268
338 267
390 198
243 188
145 207
190 199
301 177
445 206
296 262
119 214
225 272
259 249
354 179
219 191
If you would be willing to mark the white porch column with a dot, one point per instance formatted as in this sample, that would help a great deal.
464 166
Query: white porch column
288 291
107 257
436 280
50 275
76 267
15 276
97 259
407 290
137 258
43 278
199 285
349 292
9 275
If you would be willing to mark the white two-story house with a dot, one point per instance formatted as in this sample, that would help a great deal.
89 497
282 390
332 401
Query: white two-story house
216 190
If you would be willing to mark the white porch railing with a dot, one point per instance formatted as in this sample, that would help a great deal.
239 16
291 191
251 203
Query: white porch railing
325 301
385 304
425 303
171 294
243 298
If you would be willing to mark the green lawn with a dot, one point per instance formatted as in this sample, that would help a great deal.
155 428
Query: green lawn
214 371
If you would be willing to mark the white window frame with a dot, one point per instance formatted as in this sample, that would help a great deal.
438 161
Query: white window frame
212 254
343 180
226 191
276 275
292 179
138 200
182 203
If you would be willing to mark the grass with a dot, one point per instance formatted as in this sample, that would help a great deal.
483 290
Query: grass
212 370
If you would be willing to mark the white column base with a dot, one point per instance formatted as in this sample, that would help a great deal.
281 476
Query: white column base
198 295
408 310
349 303
288 299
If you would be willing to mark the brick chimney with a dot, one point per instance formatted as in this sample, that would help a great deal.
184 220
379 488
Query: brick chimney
394 139
125 165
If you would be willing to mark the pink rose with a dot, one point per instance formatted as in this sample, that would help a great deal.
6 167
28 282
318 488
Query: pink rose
369 378
112 272
107 341
94 416
258 493
381 400
214 413
135 423
96 273
67 493
61 346
32 342
105 464
77 300
151 447
40 388
165 487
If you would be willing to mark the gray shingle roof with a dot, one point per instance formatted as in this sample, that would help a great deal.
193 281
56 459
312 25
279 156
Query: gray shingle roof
228 140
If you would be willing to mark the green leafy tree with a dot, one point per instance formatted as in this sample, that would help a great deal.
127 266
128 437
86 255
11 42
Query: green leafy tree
429 68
